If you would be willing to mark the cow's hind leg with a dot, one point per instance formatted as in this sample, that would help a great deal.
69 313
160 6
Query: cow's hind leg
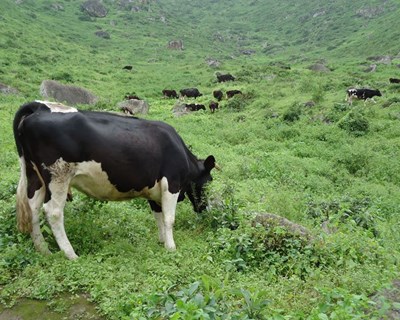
30 197
36 234
59 180
158 215
54 209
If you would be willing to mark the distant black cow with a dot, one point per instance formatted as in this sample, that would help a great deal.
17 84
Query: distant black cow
194 107
190 93
131 96
394 80
362 94
231 93
225 77
106 156
127 68
218 94
170 94
213 106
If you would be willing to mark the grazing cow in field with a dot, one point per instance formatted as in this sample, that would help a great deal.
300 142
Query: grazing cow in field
127 68
170 94
217 94
108 157
190 93
213 106
194 107
394 80
225 77
231 93
362 94
131 97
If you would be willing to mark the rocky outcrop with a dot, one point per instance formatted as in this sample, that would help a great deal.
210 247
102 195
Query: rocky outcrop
270 220
94 8
102 34
319 67
134 106
175 45
71 95
4 89
381 59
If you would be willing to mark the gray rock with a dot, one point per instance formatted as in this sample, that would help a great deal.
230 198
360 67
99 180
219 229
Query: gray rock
102 34
94 8
134 106
175 44
71 95
269 220
7 89
319 67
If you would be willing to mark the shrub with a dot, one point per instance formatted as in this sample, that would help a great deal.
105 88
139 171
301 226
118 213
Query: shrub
293 113
355 123
346 210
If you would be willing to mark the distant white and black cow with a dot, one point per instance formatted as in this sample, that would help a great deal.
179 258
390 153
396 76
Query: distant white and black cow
194 107
106 156
394 80
362 94
190 93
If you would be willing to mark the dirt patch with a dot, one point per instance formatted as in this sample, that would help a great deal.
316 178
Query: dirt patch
65 307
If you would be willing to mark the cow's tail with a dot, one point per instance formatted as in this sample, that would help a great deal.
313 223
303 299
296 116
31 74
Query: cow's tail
23 209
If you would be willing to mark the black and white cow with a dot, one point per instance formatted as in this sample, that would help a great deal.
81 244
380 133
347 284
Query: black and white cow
194 107
394 80
106 156
362 94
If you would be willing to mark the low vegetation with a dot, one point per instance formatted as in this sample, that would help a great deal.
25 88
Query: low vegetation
328 166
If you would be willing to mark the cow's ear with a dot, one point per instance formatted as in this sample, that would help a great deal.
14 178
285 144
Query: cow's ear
209 163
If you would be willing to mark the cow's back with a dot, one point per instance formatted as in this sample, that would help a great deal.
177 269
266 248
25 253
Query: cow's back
133 152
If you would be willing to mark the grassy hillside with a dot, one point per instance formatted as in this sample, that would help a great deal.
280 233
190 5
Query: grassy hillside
330 167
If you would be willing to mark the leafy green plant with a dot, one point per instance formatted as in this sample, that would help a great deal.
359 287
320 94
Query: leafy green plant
293 113
345 210
355 123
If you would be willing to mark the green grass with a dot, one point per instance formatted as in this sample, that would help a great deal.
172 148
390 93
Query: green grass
308 164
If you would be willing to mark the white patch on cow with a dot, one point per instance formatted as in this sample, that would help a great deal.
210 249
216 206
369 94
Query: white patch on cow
58 107
89 178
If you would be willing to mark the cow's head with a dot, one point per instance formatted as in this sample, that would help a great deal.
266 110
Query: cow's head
196 189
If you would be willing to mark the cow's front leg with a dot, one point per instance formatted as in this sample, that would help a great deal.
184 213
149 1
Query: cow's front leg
158 215
168 205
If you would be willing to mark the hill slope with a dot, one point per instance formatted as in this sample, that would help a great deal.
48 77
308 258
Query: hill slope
41 38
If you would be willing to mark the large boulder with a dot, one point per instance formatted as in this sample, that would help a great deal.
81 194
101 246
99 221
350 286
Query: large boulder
270 220
71 95
102 34
319 67
7 89
134 106
94 8
175 44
